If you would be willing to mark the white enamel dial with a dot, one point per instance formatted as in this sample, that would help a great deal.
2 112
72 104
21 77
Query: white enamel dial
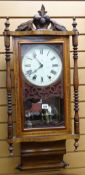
41 65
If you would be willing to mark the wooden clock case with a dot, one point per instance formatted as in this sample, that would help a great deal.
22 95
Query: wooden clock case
42 148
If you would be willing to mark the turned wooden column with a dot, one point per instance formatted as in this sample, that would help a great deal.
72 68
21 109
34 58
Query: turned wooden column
8 84
75 83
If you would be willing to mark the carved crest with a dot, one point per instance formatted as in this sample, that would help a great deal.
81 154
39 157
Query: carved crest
41 21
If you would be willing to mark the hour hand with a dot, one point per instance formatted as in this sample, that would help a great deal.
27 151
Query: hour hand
35 56
37 69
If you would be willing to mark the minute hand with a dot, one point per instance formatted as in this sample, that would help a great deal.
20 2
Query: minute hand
37 69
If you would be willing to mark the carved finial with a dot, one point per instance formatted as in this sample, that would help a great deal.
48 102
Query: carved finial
11 149
76 144
7 24
74 24
41 21
42 12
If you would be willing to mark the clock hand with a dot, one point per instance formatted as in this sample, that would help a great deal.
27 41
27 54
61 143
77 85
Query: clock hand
37 69
39 62
37 59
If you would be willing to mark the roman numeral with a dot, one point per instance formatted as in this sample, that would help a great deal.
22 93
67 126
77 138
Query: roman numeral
53 58
53 72
41 51
48 53
34 77
34 55
49 77
54 65
29 72
27 65
29 58
41 79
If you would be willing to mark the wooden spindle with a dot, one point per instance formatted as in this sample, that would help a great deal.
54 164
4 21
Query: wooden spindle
75 83
8 85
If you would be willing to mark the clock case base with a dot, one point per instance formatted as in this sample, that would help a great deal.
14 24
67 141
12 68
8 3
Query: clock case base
42 155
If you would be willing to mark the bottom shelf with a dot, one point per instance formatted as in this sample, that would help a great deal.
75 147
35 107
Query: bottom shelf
42 156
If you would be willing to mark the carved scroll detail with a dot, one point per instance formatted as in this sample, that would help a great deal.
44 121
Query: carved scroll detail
41 21
38 93
75 82
9 86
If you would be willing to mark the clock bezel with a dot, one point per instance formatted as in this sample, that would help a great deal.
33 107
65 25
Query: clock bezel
65 131
50 46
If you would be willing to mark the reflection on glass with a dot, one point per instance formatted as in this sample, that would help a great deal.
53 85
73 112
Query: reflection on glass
41 113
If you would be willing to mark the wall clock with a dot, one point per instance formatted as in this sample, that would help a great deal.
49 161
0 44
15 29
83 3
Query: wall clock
41 53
